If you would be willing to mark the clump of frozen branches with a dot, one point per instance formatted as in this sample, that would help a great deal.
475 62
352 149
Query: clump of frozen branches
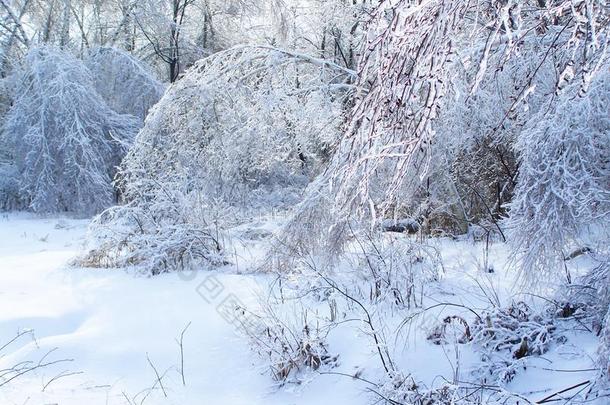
391 123
66 141
375 267
253 125
129 236
399 388
290 348
432 134
245 129
587 298
507 336
588 301
314 228
127 86
603 286
562 190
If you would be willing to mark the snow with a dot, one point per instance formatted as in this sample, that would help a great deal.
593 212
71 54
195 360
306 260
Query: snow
109 321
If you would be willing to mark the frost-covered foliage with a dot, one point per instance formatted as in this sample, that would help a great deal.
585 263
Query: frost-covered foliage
563 187
65 140
433 129
250 126
508 335
401 388
127 86
153 239
391 125
290 349
245 129
588 300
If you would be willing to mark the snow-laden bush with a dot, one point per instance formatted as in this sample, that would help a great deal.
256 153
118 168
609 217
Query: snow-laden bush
400 388
506 336
66 141
125 83
243 130
250 126
432 136
153 239
588 300
562 188
289 348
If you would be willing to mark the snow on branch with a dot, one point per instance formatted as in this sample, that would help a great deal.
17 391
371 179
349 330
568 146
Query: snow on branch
444 90
243 131
562 189
66 141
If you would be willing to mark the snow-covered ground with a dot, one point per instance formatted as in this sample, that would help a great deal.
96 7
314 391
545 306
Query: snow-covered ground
107 322
109 332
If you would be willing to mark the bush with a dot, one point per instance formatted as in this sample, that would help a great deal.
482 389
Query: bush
243 131
65 140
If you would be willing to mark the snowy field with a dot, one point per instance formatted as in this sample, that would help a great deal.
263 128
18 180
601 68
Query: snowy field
102 336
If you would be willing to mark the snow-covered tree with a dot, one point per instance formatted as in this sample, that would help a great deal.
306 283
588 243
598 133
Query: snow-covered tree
127 86
243 130
66 141
563 186
395 125
445 89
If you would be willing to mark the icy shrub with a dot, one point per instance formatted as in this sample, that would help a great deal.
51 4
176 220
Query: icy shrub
508 335
245 130
562 188
290 348
398 388
66 141
588 298
588 301
239 127
128 237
